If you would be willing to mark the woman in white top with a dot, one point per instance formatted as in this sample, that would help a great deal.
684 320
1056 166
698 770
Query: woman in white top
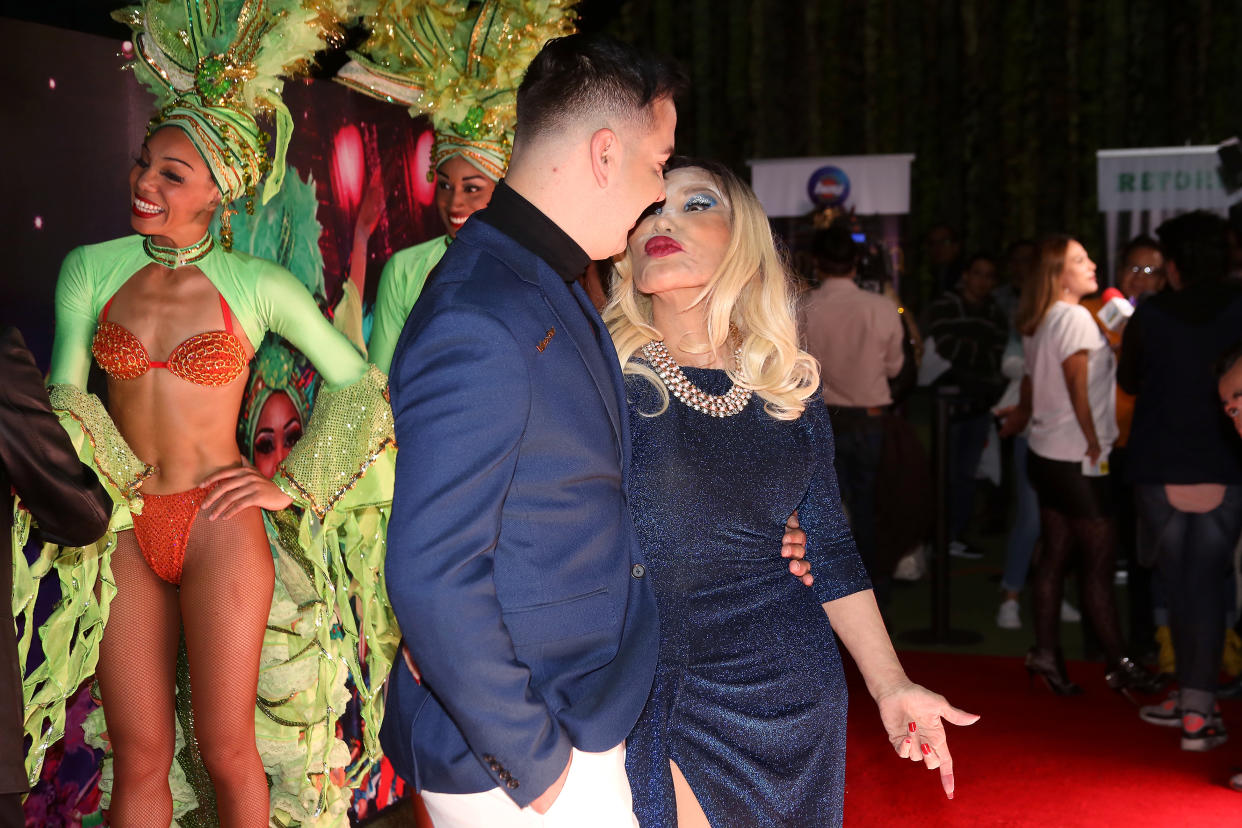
1069 389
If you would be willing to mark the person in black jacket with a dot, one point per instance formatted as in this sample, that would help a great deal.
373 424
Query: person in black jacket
66 500
1185 462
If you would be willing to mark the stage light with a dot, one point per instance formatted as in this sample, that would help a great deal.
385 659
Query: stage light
421 177
38 222
347 168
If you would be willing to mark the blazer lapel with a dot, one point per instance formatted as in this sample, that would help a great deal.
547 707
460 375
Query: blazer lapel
572 314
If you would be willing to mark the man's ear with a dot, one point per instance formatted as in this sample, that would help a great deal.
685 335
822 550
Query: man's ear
605 156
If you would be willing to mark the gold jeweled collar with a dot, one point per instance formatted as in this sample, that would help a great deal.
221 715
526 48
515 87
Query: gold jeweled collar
176 257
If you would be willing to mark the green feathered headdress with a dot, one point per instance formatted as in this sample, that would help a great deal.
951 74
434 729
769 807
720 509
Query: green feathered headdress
216 66
459 61
285 231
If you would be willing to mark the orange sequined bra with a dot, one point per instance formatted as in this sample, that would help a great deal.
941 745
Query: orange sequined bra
210 358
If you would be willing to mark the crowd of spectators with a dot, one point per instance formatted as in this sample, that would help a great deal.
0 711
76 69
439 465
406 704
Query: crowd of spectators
1120 465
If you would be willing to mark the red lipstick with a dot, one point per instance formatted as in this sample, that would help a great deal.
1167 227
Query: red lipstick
658 247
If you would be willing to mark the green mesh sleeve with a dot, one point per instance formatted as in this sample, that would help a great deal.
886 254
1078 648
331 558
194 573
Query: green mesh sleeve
100 444
349 428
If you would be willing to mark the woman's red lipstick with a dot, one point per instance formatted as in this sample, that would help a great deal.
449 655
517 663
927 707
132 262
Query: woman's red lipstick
660 246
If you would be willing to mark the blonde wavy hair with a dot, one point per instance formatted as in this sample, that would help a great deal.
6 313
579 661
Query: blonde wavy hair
751 291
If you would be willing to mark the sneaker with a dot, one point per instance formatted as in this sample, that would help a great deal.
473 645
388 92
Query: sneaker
957 549
913 566
1069 614
1007 617
1200 734
1165 714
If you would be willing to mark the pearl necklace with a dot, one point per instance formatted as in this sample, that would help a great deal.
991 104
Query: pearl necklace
679 385
176 257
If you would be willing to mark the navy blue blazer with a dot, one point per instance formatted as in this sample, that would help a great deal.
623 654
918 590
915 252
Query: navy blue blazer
512 563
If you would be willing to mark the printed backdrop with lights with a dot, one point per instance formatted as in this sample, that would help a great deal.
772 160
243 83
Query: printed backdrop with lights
867 184
75 122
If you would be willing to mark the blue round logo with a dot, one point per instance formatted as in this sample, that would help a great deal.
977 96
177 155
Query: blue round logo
828 187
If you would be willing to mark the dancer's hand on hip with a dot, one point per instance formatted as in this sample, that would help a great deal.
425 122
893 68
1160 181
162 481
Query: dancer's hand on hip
241 487
913 716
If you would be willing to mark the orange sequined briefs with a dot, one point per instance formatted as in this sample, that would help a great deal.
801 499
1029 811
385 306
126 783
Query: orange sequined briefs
163 529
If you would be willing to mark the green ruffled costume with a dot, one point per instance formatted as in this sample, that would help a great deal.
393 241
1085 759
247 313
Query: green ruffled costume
330 592
400 284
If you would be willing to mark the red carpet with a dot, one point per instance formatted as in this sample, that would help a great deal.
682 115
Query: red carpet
1037 759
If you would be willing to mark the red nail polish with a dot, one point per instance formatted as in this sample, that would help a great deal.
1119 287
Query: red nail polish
911 727
907 741
926 749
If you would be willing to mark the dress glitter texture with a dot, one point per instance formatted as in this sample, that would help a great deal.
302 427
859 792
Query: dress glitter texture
749 697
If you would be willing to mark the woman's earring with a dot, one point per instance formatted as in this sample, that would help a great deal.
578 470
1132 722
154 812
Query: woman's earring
226 228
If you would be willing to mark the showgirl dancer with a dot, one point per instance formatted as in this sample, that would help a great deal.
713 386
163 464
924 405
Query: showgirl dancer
464 74
172 316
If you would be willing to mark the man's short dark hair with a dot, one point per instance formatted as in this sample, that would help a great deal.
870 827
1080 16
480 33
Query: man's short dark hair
980 257
580 74
834 250
1198 243
1140 242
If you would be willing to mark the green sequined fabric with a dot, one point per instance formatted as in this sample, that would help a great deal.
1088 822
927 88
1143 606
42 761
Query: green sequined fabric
71 635
348 429
69 638
100 444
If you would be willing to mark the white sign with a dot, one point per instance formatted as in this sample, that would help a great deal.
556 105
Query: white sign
1160 178
869 184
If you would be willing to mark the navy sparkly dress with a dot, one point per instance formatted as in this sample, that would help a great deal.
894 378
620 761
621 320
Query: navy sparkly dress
749 697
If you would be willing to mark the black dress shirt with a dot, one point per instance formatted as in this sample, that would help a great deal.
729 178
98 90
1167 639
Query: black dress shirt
523 222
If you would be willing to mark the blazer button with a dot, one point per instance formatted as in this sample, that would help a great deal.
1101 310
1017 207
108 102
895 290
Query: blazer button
487 757
638 570
505 776
512 783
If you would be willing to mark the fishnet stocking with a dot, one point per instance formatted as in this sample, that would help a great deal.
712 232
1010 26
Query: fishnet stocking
1096 538
137 683
226 595
223 603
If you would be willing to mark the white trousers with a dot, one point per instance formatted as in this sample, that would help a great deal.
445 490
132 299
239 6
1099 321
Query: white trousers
596 793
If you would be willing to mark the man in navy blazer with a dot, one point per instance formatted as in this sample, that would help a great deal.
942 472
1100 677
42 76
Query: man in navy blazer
512 562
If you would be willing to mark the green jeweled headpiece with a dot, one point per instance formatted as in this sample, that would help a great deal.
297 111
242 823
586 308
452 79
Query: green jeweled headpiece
459 61
217 66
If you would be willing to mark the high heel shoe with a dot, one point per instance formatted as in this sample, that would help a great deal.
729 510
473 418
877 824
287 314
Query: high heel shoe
1050 667
1126 675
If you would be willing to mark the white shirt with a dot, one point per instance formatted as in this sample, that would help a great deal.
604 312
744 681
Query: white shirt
856 335
1055 434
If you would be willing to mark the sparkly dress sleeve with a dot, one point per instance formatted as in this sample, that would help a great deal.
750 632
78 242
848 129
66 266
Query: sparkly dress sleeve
830 547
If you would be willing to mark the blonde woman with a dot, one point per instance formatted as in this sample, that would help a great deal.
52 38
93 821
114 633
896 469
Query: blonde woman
745 724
